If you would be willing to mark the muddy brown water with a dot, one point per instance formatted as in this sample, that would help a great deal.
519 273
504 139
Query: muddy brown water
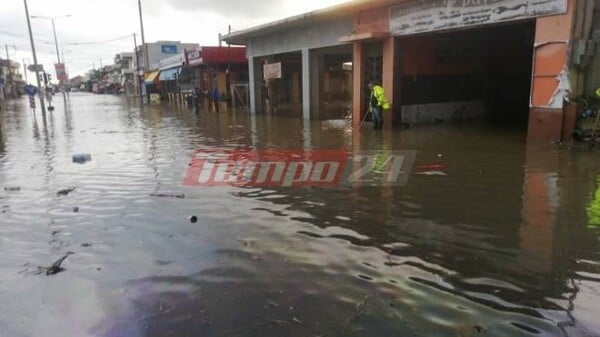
506 245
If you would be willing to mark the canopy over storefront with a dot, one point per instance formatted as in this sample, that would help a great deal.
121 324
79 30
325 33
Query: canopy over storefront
151 77
170 74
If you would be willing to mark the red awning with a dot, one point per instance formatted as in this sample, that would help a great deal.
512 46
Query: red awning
222 55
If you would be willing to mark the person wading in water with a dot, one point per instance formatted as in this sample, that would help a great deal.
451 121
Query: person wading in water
377 103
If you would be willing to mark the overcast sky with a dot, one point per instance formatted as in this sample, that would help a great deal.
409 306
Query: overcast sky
193 21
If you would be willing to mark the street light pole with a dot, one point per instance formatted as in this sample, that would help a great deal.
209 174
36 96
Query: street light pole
55 40
37 70
56 45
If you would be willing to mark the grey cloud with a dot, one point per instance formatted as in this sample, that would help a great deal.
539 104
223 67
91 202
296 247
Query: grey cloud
230 8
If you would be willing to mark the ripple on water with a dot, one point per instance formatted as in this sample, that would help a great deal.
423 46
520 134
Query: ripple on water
451 257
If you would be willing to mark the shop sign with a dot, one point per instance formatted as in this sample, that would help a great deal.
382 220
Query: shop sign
432 15
272 71
61 73
170 62
194 57
168 49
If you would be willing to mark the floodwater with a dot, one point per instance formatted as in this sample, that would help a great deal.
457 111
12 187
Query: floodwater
506 245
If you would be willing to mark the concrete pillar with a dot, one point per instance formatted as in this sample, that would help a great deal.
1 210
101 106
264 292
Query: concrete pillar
306 95
255 84
358 81
389 71
316 65
552 37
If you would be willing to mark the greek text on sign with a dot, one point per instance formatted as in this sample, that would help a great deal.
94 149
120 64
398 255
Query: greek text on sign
433 15
272 71
194 57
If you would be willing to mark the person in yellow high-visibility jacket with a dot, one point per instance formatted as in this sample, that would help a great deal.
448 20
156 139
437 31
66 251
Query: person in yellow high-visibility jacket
377 103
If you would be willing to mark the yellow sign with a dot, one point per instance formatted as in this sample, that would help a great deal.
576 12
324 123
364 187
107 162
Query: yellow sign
155 98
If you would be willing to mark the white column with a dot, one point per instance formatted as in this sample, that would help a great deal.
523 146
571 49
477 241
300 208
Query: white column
252 85
306 99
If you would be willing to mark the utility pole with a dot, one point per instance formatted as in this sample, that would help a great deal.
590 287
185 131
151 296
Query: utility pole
57 51
9 78
58 58
146 61
138 83
37 70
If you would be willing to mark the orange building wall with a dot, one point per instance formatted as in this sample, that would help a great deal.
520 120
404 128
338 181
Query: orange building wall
552 40
375 20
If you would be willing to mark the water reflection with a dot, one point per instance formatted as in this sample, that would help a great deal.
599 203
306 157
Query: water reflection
594 208
505 245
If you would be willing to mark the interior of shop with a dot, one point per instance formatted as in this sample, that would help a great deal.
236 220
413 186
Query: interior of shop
479 74
333 88
283 96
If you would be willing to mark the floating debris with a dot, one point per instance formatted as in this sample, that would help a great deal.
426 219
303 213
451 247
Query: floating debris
75 209
86 245
360 309
65 192
12 188
82 158
193 219
56 268
164 195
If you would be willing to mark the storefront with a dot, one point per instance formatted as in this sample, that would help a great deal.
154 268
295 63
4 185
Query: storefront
170 69
516 61
214 70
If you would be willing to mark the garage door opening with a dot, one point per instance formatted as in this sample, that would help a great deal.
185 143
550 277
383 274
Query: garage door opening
480 74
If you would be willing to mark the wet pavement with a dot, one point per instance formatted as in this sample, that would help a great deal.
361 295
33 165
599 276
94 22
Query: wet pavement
506 245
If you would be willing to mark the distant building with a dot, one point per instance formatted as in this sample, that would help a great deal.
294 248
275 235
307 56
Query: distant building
161 50
10 79
126 71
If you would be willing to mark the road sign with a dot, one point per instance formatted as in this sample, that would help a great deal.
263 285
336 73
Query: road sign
30 90
35 68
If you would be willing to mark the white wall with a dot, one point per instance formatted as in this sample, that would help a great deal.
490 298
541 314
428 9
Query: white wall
313 34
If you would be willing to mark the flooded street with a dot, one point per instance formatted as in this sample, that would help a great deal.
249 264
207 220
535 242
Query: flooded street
506 245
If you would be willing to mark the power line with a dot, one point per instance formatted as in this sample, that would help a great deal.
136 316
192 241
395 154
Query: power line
128 36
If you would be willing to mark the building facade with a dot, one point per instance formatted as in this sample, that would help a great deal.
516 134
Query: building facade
10 79
160 50
517 61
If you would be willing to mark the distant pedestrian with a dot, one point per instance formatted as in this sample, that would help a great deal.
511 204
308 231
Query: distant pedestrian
216 99
197 98
377 104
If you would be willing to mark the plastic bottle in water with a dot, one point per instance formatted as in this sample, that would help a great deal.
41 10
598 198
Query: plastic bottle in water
82 158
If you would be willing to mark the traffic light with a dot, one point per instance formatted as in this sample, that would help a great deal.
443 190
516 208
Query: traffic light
49 77
45 79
